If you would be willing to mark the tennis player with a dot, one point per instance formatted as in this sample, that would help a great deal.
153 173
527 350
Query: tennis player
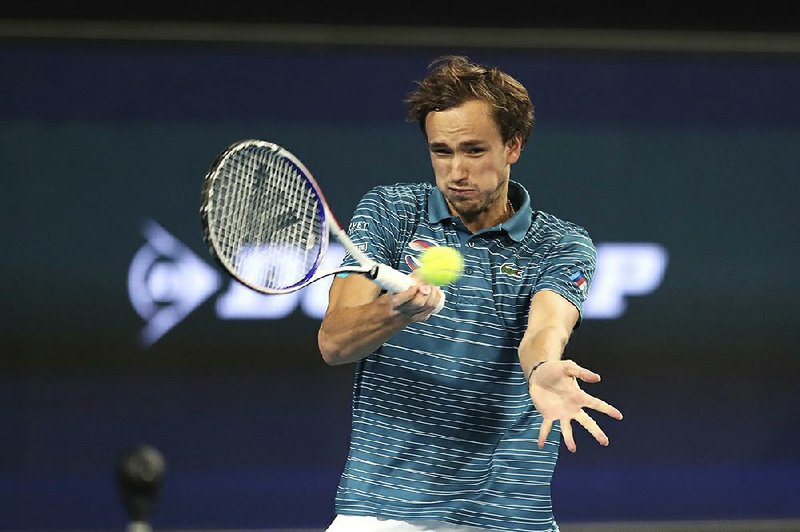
458 415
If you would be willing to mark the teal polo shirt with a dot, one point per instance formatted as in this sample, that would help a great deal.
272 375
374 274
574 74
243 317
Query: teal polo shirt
443 426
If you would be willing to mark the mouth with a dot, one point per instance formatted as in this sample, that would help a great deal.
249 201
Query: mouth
462 192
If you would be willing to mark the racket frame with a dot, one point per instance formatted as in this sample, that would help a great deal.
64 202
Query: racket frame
385 276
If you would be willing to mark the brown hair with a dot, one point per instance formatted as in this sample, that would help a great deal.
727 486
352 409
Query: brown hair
454 80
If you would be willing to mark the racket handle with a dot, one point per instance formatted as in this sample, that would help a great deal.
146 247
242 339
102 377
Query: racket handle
395 281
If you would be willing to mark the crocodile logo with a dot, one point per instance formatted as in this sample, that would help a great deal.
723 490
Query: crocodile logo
511 269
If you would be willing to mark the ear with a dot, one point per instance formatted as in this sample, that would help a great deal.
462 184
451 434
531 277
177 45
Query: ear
514 149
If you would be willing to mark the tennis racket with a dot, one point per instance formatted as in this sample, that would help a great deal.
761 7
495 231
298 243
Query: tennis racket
266 221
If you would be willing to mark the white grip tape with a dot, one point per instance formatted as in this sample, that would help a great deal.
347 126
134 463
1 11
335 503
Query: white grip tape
395 281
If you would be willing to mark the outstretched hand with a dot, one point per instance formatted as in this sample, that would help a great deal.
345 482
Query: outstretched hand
555 393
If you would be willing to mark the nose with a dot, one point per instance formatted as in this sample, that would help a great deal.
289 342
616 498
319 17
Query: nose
460 168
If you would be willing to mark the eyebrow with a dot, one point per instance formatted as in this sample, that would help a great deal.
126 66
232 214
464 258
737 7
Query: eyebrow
463 145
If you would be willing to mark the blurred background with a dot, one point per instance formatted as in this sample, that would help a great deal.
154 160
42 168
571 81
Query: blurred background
671 133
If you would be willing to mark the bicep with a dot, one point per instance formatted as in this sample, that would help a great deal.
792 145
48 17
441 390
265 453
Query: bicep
550 309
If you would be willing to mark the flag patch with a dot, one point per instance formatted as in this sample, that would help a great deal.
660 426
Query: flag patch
579 280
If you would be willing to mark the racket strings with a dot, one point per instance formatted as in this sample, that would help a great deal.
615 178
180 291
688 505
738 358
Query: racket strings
268 219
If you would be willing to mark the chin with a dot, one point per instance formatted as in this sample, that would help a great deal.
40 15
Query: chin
466 209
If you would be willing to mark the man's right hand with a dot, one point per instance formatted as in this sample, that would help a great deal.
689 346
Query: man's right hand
359 319
417 303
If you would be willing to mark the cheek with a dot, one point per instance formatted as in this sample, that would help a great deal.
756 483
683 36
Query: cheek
440 167
487 171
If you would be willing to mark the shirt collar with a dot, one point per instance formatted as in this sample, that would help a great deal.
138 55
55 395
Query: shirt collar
516 227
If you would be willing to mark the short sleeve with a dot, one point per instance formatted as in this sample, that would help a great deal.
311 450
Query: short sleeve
569 267
373 228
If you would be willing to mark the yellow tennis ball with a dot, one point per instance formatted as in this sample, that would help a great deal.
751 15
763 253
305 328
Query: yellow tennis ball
440 265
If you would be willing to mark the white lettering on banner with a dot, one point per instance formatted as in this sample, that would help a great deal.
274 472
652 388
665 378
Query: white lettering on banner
240 302
167 281
623 269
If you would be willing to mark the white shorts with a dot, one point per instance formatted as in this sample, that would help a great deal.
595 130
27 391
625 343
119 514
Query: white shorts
359 523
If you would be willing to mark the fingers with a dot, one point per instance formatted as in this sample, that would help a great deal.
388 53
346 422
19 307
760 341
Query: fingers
574 370
578 372
544 430
568 402
566 432
418 302
586 422
594 429
601 406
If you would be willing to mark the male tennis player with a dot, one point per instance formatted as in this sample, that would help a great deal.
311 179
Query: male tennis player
457 415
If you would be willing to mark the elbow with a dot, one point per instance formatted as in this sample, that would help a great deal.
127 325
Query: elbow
330 351
523 347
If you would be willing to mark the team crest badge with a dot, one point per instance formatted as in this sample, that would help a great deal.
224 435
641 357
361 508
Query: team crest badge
418 244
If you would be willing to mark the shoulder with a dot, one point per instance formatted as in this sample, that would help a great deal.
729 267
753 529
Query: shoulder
559 239
552 228
402 190
400 196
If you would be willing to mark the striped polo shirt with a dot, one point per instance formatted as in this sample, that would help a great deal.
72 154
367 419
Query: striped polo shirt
443 426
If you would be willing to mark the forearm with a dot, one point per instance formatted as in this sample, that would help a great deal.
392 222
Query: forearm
351 333
544 344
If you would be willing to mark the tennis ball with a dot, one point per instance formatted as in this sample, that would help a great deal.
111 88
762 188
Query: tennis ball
440 265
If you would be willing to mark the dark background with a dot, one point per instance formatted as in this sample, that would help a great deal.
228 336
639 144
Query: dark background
768 15
694 151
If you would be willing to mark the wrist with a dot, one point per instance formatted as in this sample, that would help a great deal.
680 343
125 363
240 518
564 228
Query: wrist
533 369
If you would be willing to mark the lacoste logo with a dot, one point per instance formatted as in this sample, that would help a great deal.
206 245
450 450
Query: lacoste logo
511 269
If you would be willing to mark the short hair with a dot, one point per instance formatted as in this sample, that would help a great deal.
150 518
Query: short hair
454 79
